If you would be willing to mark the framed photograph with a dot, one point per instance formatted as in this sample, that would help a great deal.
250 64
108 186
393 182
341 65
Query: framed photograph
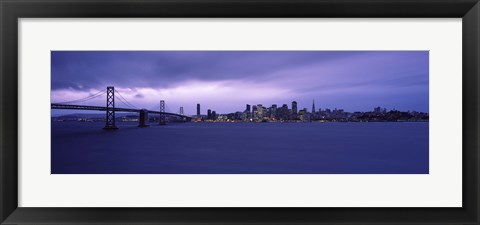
254 112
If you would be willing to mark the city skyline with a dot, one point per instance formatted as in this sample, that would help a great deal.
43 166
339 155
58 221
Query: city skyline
226 80
294 113
200 110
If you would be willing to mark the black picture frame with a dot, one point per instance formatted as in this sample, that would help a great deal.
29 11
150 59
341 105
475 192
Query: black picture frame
12 10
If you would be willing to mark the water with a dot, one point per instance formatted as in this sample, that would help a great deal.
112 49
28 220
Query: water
241 148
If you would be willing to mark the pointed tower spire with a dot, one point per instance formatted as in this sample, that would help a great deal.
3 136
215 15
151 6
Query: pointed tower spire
313 106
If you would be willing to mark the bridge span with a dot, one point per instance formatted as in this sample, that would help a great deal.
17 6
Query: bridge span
110 109
101 108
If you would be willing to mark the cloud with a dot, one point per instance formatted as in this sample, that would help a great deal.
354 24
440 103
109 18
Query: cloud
212 94
227 80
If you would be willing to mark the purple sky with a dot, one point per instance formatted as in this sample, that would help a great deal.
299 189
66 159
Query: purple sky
227 80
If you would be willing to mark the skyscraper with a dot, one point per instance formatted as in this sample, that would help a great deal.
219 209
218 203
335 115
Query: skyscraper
209 114
247 113
313 106
273 112
198 110
282 113
294 110
259 112
314 113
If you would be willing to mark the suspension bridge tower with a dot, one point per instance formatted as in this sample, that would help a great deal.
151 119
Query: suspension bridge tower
162 110
110 112
143 118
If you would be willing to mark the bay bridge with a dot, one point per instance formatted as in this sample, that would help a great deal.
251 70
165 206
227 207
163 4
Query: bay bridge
110 109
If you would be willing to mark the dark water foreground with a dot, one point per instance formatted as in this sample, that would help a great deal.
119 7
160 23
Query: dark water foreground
241 148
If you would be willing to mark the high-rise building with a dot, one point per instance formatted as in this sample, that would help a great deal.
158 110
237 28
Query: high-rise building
209 114
247 113
294 110
198 110
294 107
283 112
214 115
302 111
259 112
313 106
303 115
273 111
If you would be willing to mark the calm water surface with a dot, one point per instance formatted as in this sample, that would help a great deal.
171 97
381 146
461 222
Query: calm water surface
241 148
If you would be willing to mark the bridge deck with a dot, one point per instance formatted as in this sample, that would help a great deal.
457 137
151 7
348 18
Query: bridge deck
100 108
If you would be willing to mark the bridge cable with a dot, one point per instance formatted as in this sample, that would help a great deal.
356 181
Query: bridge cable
100 93
126 102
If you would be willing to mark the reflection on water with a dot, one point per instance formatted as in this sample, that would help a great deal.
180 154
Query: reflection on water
241 148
